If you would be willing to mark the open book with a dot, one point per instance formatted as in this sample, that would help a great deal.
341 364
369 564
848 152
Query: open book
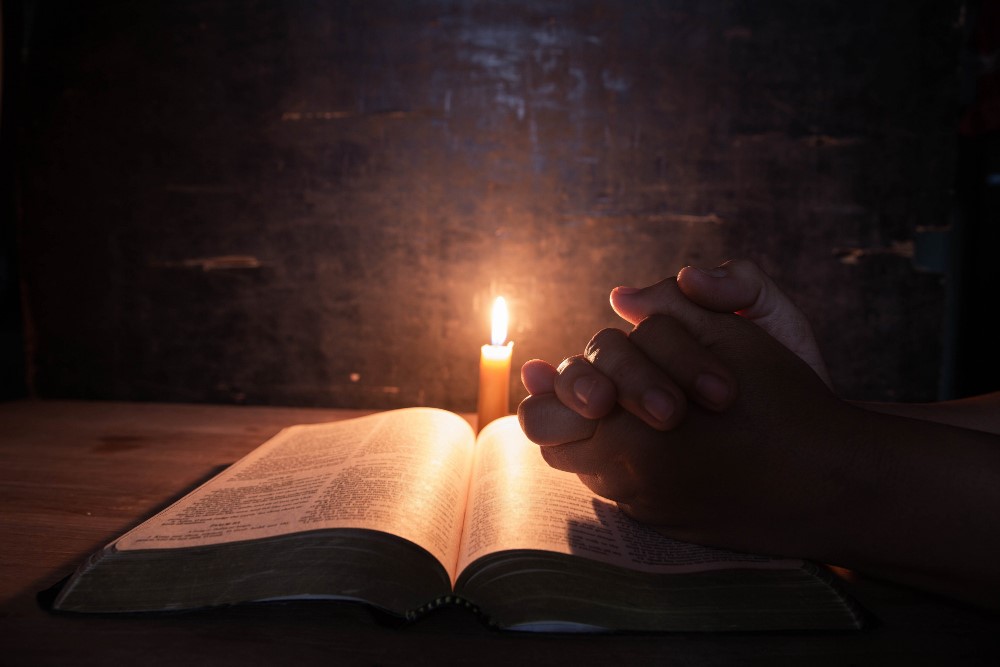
407 510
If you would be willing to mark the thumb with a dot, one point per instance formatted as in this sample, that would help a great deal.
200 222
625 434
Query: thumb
664 298
742 287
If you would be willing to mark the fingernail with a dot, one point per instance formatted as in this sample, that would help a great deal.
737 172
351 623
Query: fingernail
583 388
717 272
658 404
627 290
712 388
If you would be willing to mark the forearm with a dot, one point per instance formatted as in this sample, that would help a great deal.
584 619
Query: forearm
919 507
981 413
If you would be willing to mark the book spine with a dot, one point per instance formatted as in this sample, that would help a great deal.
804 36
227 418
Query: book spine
443 601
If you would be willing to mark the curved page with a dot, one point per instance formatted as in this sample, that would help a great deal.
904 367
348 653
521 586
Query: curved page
403 472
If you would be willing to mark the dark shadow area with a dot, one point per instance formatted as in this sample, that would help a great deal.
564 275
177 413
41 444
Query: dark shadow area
13 377
314 203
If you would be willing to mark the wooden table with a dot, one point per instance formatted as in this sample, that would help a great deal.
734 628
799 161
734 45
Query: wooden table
74 475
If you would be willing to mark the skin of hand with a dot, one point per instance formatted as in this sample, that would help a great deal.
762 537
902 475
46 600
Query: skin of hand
701 480
660 396
980 413
788 468
738 286
657 395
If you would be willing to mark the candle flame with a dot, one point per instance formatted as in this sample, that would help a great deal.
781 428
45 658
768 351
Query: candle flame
499 321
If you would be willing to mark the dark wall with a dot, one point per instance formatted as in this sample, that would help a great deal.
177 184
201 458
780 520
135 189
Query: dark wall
975 363
314 202
13 379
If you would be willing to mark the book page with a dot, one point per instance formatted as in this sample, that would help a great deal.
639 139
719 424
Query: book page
518 502
404 472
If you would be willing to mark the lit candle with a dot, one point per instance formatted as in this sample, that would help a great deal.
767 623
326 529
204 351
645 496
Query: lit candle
494 369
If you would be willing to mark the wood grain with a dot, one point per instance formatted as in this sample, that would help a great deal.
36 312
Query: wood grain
73 475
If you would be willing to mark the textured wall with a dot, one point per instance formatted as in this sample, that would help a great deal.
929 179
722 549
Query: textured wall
314 202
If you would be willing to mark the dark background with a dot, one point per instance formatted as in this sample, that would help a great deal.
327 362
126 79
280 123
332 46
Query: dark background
314 203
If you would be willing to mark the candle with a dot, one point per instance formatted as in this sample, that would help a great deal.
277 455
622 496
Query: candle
494 369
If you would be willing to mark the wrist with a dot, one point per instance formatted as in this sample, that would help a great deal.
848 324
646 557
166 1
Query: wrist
847 489
916 506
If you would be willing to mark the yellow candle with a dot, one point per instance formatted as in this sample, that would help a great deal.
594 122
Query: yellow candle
494 369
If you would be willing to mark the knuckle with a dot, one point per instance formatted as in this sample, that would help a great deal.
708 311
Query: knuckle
740 263
627 369
604 342
743 267
666 292
570 363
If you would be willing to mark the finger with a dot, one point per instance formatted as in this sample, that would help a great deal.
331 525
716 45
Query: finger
684 358
546 421
602 453
643 388
635 305
612 461
585 389
696 370
732 287
741 286
538 376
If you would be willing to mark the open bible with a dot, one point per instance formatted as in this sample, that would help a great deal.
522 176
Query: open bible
407 510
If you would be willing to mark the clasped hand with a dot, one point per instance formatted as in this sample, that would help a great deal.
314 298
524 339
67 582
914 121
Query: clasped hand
713 421
697 422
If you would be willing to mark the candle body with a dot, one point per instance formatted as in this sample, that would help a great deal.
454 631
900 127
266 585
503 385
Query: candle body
494 383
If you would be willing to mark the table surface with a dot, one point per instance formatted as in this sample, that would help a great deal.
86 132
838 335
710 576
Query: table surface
75 475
